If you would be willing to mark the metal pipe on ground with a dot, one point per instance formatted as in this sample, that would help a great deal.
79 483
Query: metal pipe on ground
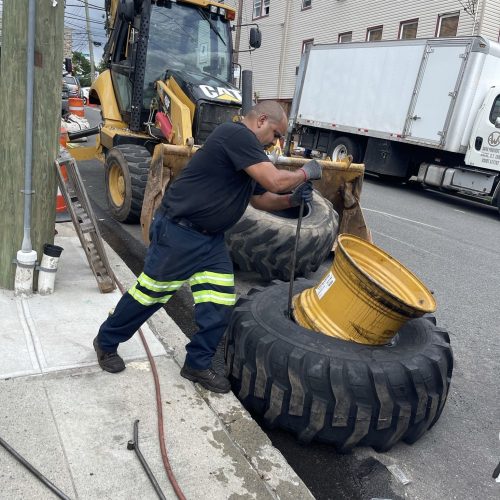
134 445
52 487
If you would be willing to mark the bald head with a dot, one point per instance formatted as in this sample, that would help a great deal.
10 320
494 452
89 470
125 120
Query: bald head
271 109
267 120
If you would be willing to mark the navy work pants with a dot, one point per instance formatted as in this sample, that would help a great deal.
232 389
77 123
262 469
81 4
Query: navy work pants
178 254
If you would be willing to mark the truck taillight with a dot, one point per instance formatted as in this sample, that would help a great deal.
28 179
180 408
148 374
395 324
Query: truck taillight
230 15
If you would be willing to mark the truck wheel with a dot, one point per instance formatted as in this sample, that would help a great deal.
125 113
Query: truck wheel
331 390
126 175
264 241
344 146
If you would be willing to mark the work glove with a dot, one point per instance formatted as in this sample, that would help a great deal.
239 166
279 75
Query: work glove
302 192
312 170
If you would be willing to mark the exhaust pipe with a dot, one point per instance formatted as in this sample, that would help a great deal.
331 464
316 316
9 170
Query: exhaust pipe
83 133
246 91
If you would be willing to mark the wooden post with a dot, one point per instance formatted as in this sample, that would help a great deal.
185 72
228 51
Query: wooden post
46 124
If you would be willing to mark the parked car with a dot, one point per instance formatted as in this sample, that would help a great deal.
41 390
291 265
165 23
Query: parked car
64 98
84 94
73 84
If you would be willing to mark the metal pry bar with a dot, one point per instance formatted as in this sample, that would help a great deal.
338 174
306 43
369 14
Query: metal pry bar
134 445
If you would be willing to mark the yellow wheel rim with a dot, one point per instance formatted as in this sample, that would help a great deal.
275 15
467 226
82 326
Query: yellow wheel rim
116 185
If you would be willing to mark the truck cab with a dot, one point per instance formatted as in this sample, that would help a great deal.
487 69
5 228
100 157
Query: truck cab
484 145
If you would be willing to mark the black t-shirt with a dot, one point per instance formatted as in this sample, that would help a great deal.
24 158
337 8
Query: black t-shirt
213 190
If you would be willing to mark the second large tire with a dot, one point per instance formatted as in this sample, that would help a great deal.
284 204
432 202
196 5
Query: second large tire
331 390
264 241
126 176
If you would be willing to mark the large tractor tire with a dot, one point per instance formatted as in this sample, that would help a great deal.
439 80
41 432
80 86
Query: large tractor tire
126 175
334 391
264 241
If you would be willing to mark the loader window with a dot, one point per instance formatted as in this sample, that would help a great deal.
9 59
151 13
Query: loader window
186 38
495 110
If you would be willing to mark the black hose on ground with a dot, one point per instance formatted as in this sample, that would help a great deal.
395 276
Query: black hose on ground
52 487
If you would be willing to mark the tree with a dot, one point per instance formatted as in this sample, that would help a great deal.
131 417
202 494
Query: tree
471 8
81 68
102 66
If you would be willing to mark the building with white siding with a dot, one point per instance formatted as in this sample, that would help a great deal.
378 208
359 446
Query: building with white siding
289 26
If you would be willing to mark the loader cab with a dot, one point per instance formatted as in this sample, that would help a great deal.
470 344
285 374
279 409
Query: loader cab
190 42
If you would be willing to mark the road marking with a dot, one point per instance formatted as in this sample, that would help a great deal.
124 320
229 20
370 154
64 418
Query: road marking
403 218
407 244
459 211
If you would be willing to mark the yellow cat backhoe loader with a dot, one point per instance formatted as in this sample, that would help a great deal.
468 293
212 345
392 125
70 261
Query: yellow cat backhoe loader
167 86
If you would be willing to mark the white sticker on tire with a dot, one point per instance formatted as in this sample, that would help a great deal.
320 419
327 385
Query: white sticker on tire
325 285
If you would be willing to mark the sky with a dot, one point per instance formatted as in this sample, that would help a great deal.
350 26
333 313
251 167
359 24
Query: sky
74 18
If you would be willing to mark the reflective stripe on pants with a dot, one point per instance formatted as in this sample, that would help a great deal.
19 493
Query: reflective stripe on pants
177 255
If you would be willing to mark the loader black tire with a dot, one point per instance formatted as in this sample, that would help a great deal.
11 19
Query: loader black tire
323 388
126 176
264 241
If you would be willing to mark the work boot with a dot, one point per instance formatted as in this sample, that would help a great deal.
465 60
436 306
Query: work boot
208 378
108 361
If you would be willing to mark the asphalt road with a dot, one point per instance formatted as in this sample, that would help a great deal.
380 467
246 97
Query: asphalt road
453 245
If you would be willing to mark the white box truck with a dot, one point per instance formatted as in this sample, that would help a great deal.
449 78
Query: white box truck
424 107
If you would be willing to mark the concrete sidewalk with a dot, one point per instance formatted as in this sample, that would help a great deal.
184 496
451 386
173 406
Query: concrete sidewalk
72 421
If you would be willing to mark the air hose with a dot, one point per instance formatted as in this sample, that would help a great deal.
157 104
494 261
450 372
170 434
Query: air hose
159 408
161 433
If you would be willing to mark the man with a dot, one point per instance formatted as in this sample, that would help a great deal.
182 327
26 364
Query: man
187 237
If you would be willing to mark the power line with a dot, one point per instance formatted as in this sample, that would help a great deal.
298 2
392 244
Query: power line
92 5
75 18
75 28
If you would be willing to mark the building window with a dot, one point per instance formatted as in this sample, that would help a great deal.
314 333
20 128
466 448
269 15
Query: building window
408 29
306 4
306 45
260 8
374 34
447 25
345 37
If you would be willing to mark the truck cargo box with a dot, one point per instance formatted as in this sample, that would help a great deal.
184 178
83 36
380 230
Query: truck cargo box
424 92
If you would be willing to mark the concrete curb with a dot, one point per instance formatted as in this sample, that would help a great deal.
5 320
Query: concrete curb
280 479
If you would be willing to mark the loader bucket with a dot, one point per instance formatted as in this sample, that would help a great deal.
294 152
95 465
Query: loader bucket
341 184
167 162
365 297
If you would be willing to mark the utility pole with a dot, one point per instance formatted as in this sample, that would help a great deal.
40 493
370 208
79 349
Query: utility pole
91 44
45 123
238 32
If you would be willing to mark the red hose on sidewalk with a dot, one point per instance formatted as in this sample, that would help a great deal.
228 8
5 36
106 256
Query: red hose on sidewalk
159 411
